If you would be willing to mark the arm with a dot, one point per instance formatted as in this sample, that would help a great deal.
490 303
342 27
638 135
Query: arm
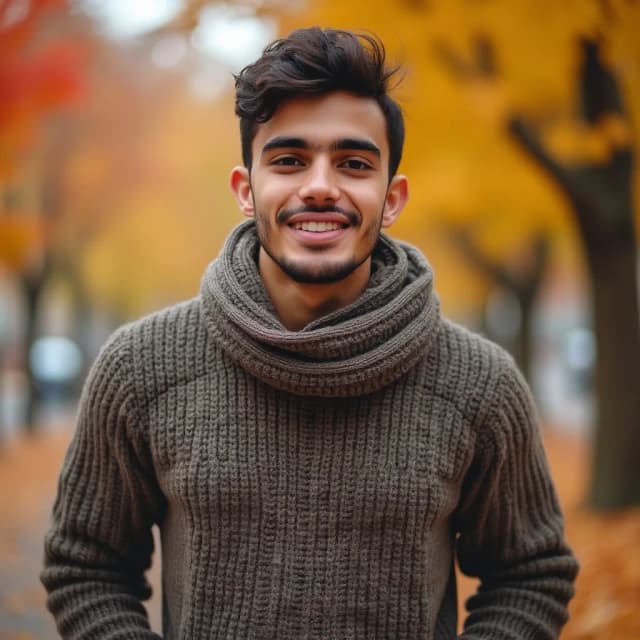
511 528
100 542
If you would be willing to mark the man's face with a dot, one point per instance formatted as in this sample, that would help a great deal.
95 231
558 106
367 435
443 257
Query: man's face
319 187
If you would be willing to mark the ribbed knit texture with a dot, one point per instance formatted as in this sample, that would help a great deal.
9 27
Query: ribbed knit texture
298 494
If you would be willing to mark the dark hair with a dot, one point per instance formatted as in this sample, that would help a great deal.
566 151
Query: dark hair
314 62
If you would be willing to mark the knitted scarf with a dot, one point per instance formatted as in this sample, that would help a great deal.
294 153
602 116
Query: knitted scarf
352 351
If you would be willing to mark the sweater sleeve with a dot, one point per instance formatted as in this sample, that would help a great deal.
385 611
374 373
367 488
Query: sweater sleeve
510 526
100 542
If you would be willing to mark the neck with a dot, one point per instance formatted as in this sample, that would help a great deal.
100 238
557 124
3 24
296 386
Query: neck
298 303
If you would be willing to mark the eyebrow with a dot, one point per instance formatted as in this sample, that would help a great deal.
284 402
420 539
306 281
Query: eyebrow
344 144
356 144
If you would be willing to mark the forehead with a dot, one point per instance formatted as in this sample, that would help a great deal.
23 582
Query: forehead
322 120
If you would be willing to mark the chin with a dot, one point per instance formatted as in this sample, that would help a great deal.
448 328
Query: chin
327 273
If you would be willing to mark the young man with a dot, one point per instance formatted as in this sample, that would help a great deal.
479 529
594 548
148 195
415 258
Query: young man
315 442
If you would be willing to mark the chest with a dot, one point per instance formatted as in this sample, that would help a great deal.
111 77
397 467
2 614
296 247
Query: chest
232 445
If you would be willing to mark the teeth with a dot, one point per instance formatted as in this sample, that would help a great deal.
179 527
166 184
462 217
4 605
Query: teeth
316 226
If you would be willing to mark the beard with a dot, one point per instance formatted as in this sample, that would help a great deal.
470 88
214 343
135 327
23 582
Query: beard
316 269
321 272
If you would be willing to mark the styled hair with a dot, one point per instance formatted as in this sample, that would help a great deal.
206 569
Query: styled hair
314 62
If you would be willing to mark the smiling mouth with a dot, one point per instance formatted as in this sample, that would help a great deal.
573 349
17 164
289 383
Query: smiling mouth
318 226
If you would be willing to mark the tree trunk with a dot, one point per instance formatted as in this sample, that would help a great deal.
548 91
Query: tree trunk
601 198
523 341
32 287
522 282
615 478
81 309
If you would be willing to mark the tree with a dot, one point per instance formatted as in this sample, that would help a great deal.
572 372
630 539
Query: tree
126 174
35 79
522 281
525 280
600 194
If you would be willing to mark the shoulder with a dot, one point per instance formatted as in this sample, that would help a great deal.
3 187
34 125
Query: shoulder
484 380
160 350
468 369
156 329
479 355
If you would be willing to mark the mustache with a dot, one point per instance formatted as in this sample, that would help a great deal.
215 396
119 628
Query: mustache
285 215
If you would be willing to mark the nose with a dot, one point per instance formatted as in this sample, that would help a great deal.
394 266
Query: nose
319 183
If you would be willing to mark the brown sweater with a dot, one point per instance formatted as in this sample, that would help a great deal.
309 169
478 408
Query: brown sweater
314 484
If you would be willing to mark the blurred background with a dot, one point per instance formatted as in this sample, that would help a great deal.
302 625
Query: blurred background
117 135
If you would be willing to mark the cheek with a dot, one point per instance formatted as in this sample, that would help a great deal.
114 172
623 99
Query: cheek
370 201
272 192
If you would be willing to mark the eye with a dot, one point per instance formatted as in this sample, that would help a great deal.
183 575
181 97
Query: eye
287 161
355 164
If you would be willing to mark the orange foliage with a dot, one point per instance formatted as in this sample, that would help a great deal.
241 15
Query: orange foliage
32 82
20 238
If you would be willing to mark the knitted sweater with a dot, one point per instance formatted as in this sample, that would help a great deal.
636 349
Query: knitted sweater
314 484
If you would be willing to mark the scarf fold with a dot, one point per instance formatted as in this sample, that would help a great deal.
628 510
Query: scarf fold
352 351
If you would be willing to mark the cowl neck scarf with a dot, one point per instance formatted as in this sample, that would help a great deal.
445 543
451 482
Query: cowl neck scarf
352 351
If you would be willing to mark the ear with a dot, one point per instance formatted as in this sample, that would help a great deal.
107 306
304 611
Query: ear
397 196
240 184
